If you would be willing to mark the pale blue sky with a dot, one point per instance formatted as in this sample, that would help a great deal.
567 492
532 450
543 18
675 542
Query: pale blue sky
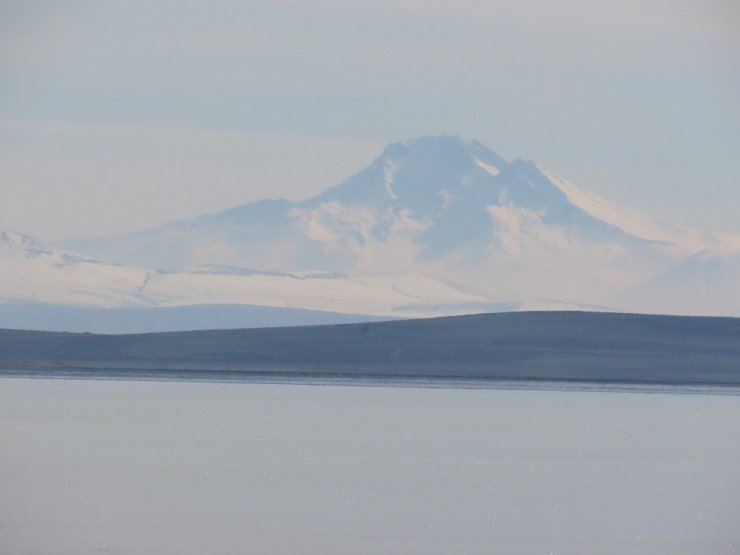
120 115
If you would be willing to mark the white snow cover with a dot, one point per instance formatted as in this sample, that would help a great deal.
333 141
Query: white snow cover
639 224
33 271
490 169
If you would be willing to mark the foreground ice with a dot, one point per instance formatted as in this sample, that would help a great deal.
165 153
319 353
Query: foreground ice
147 467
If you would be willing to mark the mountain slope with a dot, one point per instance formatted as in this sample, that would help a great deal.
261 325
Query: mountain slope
34 276
706 282
33 271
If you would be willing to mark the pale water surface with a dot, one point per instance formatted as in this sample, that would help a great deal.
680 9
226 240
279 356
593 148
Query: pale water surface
153 467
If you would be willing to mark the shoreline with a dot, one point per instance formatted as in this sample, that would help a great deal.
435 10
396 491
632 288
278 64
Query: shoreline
415 382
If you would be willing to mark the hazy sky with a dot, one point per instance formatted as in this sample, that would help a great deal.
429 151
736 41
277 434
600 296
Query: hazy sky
120 115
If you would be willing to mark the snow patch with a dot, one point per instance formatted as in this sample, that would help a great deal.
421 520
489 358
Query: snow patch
389 170
490 169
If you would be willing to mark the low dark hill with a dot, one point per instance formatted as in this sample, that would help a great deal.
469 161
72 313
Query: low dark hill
597 347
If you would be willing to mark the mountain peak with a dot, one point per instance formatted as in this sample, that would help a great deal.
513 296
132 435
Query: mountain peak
418 175
18 242
14 244
444 147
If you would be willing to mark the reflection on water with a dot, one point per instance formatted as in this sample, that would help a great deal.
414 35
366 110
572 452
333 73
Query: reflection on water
152 467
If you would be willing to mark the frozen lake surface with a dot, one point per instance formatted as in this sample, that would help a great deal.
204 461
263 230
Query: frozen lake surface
168 467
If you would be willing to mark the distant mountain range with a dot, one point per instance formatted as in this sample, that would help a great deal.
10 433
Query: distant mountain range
435 225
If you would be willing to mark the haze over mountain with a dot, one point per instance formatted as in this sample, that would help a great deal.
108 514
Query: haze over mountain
459 213
434 226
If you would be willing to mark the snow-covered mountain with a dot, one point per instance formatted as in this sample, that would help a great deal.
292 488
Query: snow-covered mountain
458 214
433 226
